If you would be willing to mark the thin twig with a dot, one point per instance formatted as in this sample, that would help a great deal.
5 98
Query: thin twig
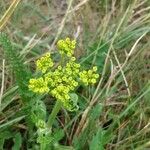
122 72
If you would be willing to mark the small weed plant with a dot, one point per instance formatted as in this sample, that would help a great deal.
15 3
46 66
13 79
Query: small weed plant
60 81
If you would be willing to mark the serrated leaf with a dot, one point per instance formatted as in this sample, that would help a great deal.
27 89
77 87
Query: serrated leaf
22 74
38 111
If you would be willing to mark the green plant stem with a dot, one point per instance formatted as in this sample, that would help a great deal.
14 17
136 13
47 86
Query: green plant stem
42 146
54 113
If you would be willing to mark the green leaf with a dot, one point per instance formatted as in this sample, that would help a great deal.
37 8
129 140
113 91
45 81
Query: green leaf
17 142
74 97
3 136
8 98
96 143
99 141
9 123
96 112
44 136
127 36
97 52
58 135
38 111
22 74
72 103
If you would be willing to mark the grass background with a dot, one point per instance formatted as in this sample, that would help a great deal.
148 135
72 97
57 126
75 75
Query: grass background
112 34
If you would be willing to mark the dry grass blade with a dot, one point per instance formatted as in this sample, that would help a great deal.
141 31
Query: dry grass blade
62 24
8 13
2 84
77 7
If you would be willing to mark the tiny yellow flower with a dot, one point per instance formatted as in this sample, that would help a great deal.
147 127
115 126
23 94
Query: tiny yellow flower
93 81
67 97
95 68
96 76
73 58
59 67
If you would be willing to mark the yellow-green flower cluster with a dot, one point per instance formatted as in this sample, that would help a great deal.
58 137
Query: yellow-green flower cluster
44 63
38 85
72 68
64 79
62 82
89 77
66 46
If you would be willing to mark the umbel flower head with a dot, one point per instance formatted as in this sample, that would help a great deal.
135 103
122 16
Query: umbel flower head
62 81
66 46
44 63
38 85
89 77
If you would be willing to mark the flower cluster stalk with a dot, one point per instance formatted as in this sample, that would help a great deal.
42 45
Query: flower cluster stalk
54 113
